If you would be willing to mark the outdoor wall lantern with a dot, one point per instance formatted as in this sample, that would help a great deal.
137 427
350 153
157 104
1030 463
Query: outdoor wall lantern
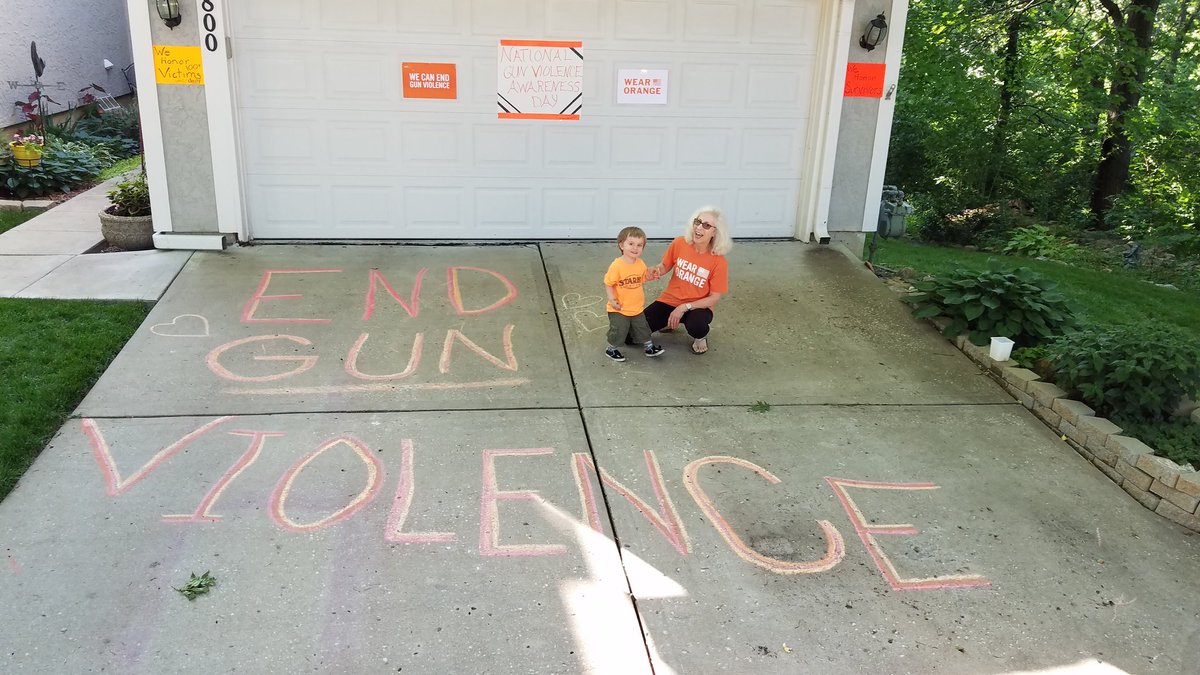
168 11
876 30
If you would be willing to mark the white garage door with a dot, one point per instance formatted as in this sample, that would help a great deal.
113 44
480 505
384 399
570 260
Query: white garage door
332 150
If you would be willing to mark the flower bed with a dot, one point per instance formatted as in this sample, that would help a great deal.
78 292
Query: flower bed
1157 483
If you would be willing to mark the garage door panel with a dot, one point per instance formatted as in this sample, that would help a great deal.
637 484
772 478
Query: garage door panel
288 207
645 148
364 208
759 209
331 148
509 18
581 18
709 85
361 77
365 16
443 16
505 147
577 209
708 20
785 23
774 151
508 209
430 145
572 146
435 211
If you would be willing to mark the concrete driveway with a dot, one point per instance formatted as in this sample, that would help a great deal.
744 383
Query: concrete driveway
418 459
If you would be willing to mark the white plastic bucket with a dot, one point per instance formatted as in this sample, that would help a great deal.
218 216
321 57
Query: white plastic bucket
1001 348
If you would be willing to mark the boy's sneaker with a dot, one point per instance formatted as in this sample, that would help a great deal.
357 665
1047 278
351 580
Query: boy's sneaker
654 350
615 354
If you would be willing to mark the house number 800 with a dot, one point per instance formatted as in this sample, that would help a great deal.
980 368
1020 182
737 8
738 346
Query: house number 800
210 24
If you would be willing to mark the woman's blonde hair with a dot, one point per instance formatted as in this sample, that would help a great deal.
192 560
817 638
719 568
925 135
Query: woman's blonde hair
722 242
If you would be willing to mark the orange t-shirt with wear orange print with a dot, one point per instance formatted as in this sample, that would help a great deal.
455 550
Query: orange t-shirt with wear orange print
695 274
626 281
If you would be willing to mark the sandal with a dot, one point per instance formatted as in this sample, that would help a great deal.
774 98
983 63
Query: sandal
700 346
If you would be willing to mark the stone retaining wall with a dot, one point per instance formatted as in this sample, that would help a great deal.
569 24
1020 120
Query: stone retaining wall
1157 483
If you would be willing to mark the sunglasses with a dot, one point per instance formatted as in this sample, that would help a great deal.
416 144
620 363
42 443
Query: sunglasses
696 222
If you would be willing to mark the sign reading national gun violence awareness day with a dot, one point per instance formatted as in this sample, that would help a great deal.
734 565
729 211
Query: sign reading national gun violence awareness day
539 79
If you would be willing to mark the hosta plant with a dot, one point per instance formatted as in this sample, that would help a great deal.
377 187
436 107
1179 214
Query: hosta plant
1139 370
998 302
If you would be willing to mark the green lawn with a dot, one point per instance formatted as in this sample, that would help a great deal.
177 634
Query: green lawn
1098 296
123 166
51 353
11 219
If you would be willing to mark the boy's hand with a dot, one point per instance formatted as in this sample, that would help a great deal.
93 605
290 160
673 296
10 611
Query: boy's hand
652 273
615 305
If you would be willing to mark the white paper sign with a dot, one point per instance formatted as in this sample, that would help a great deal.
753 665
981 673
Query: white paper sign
539 79
641 86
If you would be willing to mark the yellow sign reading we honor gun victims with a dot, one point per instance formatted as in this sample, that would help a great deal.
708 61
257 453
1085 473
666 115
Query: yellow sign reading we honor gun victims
178 65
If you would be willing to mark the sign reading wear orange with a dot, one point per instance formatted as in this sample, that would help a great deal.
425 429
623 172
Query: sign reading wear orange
864 80
539 79
429 80
178 65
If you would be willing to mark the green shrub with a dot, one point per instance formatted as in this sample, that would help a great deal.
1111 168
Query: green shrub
121 123
1135 371
61 170
1027 357
102 153
968 226
130 197
1015 303
1177 440
1038 240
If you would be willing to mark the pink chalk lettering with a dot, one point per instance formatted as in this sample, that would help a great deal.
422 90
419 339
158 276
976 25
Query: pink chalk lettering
201 514
412 306
453 288
866 532
403 501
114 484
835 548
214 359
665 519
259 295
453 334
489 513
284 487
351 364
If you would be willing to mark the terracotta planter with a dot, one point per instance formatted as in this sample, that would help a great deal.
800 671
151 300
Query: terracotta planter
25 156
132 233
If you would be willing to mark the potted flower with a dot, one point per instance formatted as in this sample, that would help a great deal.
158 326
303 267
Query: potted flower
27 150
127 223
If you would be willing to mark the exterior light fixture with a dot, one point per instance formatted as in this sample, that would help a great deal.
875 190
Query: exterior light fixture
168 11
876 31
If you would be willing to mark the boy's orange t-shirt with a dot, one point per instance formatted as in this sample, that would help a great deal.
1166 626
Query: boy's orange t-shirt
626 280
695 274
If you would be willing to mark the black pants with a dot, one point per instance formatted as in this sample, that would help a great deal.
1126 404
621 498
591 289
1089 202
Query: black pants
696 321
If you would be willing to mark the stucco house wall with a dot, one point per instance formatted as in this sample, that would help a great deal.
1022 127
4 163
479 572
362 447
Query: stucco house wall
73 39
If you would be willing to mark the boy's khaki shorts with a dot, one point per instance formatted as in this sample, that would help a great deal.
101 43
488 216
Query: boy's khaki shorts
620 325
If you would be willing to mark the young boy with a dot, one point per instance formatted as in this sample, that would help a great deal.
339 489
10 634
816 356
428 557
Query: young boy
623 285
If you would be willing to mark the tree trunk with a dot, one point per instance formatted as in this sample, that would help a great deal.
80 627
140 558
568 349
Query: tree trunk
1007 84
1134 29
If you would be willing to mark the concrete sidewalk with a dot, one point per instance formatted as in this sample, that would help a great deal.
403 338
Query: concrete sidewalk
418 459
45 257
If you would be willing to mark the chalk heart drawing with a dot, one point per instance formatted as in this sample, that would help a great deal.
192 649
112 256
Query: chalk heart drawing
575 300
590 321
184 325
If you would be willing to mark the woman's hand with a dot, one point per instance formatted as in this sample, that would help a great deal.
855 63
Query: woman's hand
654 273
675 317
